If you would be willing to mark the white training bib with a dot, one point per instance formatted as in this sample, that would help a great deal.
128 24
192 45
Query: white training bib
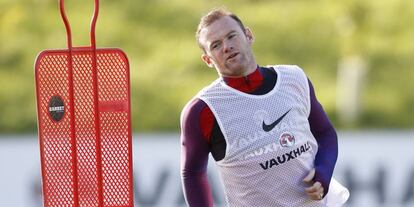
270 147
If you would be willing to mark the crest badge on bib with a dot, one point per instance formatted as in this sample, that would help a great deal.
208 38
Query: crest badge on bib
286 139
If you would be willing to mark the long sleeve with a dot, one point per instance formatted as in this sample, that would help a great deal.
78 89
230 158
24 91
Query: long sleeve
194 157
326 137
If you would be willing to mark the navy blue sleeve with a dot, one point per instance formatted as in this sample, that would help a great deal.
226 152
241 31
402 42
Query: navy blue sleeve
326 137
194 157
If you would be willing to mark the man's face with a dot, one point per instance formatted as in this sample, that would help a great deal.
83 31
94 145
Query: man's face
228 47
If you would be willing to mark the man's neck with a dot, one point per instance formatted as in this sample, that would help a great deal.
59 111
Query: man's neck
247 83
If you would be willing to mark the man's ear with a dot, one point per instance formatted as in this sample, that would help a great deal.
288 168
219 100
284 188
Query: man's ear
249 35
207 60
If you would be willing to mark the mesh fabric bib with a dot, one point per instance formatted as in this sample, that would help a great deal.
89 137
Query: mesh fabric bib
270 147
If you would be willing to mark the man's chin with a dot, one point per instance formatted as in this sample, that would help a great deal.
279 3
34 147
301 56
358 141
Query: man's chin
234 66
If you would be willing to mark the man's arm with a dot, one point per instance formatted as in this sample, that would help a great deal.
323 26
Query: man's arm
326 137
194 157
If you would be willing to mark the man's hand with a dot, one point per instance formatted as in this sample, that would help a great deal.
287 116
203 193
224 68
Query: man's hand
315 191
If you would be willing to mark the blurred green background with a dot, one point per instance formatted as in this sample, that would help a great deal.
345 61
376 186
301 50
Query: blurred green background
166 69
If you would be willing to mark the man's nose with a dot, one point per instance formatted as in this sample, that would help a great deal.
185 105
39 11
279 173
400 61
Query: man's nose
228 47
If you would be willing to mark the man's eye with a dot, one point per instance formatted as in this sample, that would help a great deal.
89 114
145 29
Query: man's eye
232 36
215 46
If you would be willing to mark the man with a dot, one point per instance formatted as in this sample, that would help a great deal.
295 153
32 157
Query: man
271 139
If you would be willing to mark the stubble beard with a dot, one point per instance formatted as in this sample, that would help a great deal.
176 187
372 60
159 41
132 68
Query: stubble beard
237 67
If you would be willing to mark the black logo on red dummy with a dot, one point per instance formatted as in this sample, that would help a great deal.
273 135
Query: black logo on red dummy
56 108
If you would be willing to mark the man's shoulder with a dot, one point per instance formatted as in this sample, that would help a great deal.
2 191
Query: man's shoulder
192 109
214 85
289 69
284 67
195 104
196 101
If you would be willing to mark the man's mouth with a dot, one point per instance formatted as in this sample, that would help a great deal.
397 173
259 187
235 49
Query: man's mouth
232 55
